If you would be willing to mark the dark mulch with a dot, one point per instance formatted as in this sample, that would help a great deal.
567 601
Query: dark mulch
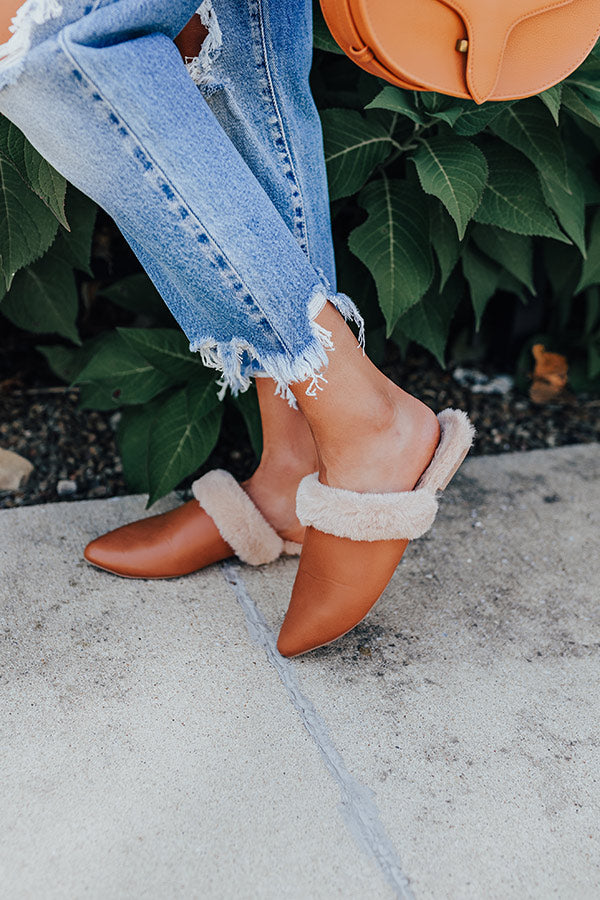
44 424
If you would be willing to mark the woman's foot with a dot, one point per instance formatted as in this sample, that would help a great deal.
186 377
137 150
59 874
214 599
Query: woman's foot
189 537
393 440
340 579
273 490
371 437
369 434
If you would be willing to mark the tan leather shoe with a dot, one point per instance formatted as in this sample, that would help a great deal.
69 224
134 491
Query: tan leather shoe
221 521
354 541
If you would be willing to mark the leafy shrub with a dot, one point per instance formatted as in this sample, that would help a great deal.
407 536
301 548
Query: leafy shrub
439 207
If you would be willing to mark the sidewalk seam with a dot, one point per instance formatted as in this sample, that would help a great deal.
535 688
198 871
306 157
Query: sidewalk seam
357 805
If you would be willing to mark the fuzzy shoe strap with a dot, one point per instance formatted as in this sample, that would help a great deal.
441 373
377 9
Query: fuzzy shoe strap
394 516
238 519
292 548
364 516
457 434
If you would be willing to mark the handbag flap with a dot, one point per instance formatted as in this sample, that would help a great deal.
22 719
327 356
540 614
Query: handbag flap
488 24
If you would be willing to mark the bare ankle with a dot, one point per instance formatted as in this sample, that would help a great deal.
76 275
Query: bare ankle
386 448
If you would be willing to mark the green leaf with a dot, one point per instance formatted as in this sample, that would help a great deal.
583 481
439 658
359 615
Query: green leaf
588 179
137 294
43 299
354 145
119 376
97 395
514 252
513 198
569 207
528 127
182 436
552 99
586 78
475 118
27 227
584 108
444 240
562 266
441 107
397 100
482 277
67 362
454 170
593 366
166 349
133 441
590 273
247 403
75 246
62 360
511 285
38 174
428 321
322 38
393 244
592 310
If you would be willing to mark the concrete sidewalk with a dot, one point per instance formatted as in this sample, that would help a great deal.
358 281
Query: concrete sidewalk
155 745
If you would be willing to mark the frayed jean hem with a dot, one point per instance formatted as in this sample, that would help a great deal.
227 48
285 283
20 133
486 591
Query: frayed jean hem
305 365
29 17
220 200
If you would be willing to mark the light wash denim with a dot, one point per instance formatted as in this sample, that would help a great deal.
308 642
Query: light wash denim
212 168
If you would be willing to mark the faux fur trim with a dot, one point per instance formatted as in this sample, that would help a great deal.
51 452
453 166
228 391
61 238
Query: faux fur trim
239 521
457 434
364 516
291 548
392 516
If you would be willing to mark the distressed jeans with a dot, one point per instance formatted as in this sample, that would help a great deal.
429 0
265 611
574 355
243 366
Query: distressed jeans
212 168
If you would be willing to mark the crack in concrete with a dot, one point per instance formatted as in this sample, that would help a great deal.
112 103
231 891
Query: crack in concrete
357 804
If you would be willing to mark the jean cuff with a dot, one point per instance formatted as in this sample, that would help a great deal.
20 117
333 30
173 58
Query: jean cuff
239 362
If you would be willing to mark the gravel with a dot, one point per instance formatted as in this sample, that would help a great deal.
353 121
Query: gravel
75 455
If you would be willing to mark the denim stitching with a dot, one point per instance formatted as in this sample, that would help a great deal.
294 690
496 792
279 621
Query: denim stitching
217 259
285 366
275 120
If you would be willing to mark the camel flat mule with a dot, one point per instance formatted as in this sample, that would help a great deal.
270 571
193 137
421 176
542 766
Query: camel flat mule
354 541
221 521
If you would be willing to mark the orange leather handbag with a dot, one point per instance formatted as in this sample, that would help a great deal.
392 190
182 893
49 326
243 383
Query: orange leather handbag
479 49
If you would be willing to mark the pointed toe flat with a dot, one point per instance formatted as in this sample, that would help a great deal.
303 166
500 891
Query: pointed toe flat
221 521
354 541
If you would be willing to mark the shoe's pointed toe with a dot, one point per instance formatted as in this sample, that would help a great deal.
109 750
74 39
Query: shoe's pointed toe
101 552
163 546
338 581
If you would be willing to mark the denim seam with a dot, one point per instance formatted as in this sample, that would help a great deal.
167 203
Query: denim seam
296 366
278 129
212 257
286 365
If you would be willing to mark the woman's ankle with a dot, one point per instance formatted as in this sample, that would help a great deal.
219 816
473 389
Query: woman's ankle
273 491
289 450
386 445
